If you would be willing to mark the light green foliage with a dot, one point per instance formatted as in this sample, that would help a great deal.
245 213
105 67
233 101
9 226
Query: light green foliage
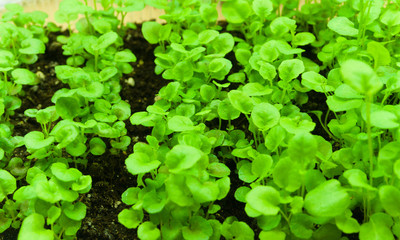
329 199
343 26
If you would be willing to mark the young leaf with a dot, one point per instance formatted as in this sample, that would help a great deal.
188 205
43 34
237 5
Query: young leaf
262 8
264 199
240 101
378 228
390 197
106 40
32 228
141 162
327 200
360 76
287 174
148 231
151 31
282 25
60 171
301 226
316 82
380 54
265 116
24 76
32 46
290 69
34 140
343 26
75 211
130 218
303 38
8 184
236 11
180 124
182 157
275 234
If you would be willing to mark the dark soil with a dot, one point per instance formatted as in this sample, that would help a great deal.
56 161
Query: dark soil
108 172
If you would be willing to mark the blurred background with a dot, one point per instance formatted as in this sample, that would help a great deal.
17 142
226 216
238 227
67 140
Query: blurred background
50 6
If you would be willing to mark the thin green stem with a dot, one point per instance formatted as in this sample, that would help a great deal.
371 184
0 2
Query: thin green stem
370 148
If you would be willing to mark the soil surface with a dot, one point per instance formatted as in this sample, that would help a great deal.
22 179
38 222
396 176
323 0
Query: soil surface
108 172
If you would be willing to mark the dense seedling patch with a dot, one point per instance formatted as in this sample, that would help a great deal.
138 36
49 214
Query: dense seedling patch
289 110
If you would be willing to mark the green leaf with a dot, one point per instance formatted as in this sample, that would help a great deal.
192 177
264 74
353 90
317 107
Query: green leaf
303 144
337 104
269 51
48 191
390 197
236 11
267 71
357 178
261 165
34 140
108 73
32 228
282 25
219 170
83 185
301 226
303 38
68 107
75 211
290 69
384 119
346 223
264 199
91 90
287 174
295 125
130 218
60 171
122 110
141 162
8 184
378 228
240 101
53 214
105 40
275 234
316 82
32 46
360 76
148 231
180 124
202 191
151 31
207 36
182 157
262 8
343 26
245 172
183 71
24 76
226 111
154 202
380 54
265 116
97 146
124 56
222 44
233 229
256 89
329 199
391 17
